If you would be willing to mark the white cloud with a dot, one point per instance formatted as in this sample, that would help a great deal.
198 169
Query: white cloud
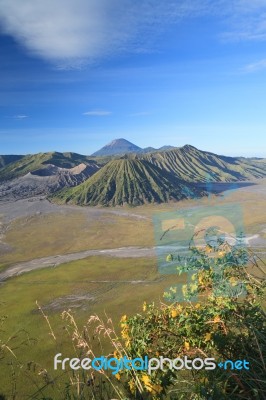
254 67
97 113
20 116
71 33
59 31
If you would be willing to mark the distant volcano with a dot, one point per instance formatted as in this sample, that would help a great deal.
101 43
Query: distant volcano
118 146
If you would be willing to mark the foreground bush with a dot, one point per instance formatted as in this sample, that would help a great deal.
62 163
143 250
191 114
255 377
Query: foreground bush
230 327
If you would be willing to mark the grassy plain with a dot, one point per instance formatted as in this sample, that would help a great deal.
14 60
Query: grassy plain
79 285
95 285
69 232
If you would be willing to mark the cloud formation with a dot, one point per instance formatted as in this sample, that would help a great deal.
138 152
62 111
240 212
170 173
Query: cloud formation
97 113
20 116
246 20
70 33
254 67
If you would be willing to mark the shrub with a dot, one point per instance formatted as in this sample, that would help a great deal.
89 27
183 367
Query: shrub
226 323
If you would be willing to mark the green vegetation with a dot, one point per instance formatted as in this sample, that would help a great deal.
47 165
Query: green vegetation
119 287
96 285
155 177
128 181
33 162
221 325
8 159
193 165
2 266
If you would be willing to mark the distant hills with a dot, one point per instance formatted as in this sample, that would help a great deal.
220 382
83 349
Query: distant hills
138 176
32 162
43 174
194 165
45 181
123 146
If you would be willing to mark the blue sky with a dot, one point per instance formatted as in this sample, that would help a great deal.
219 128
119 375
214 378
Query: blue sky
76 74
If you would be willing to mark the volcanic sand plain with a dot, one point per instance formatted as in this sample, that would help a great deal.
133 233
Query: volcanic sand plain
101 284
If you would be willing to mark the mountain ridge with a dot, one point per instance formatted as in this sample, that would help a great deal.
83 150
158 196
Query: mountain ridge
131 182
194 165
32 162
63 174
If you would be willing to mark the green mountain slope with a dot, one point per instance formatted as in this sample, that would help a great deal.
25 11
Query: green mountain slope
193 165
128 181
8 159
32 162
158 176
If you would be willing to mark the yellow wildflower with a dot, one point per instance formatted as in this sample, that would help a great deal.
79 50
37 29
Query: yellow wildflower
118 376
174 313
152 388
146 379
124 334
249 287
200 279
216 319
184 290
208 337
123 319
193 287
144 308
187 346
169 258
131 385
197 306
